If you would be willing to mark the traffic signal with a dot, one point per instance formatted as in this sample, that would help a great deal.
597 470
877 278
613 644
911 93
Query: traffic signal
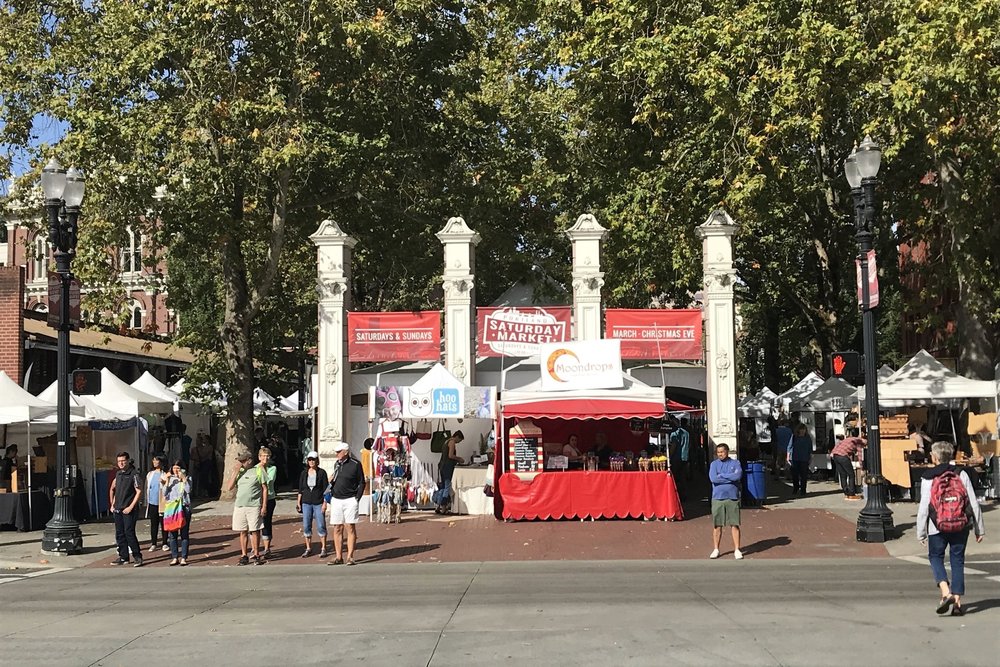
86 382
846 365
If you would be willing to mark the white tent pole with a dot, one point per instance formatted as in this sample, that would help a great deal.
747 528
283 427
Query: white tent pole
30 515
954 434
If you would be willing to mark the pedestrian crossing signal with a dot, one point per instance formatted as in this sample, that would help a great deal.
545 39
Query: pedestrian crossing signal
846 364
86 382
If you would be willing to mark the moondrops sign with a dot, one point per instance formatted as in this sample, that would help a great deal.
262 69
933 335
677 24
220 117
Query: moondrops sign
517 332
659 333
592 364
394 336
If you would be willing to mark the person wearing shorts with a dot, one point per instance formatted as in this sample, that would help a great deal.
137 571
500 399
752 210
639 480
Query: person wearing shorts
249 509
725 474
347 485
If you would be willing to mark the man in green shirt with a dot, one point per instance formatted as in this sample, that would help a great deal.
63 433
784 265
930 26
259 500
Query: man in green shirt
250 507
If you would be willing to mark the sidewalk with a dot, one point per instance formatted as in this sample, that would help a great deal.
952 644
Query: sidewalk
821 525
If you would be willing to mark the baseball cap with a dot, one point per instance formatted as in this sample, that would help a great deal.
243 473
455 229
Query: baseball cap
312 455
341 447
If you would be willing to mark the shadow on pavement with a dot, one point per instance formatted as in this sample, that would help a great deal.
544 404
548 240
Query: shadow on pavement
400 552
980 605
764 545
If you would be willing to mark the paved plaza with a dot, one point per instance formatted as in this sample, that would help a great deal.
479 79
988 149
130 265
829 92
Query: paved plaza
472 590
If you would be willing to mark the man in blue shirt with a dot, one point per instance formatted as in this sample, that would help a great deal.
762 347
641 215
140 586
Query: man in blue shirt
725 474
782 441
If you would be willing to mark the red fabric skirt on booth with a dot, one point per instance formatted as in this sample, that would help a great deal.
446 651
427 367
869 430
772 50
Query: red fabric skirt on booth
585 495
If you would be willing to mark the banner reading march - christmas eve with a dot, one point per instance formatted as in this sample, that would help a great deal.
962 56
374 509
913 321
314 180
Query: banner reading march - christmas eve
394 336
517 332
655 333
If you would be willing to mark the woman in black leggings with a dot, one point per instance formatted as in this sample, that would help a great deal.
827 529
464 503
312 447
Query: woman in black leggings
152 492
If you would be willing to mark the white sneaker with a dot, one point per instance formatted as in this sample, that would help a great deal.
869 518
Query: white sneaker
714 554
165 547
152 547
738 555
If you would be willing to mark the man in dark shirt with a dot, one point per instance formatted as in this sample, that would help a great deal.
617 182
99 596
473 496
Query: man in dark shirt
347 485
8 463
126 490
602 450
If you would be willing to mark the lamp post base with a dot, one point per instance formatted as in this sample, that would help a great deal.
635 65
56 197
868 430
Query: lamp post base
62 535
875 520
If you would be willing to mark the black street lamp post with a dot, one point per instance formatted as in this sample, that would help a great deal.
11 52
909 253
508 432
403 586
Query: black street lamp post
63 192
861 168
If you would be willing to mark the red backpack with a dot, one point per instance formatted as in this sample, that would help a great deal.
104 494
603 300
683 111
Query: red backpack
949 503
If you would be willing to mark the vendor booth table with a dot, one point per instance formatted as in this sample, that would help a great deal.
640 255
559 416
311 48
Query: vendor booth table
526 491
591 495
17 511
467 491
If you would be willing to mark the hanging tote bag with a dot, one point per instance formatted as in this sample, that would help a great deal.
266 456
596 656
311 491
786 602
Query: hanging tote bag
173 509
423 431
439 438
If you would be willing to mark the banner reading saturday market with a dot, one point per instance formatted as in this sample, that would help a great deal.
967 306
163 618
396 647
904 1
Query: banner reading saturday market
517 332
412 336
655 333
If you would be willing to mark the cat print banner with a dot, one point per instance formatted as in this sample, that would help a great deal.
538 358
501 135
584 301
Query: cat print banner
394 336
434 403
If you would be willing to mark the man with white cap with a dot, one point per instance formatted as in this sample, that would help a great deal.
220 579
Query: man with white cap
347 485
311 503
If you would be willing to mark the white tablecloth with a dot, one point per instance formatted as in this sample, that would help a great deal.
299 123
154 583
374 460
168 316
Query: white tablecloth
467 492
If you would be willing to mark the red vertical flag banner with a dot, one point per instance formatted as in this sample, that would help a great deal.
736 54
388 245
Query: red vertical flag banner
872 282
656 333
412 336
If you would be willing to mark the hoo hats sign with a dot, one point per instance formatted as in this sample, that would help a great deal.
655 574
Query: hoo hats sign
592 364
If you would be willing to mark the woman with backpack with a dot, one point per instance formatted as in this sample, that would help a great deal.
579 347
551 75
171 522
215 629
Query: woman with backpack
948 510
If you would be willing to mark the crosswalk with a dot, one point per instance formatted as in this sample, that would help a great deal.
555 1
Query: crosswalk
11 574
986 566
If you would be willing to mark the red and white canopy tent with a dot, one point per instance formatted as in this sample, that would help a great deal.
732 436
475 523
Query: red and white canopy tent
580 494
634 399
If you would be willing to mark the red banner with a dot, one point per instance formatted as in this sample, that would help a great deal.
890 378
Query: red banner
655 334
394 336
517 332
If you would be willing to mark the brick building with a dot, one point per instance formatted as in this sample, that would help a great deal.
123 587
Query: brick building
142 277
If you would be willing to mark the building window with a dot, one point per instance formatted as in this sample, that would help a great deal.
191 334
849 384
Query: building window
41 251
136 320
131 252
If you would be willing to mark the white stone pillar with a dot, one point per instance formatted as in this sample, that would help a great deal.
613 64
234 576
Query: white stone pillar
333 282
586 236
720 327
459 299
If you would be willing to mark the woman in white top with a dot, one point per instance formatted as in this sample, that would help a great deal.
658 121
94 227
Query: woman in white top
954 540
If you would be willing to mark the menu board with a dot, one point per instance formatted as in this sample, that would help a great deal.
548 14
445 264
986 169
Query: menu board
822 436
525 447
525 453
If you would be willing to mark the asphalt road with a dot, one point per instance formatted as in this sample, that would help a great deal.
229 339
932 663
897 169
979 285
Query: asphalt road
799 612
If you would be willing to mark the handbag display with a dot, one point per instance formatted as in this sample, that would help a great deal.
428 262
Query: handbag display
423 431
439 438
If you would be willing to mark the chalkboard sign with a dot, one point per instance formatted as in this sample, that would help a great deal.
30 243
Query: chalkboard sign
822 436
525 453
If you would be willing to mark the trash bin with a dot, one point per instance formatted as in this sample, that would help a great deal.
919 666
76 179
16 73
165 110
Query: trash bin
754 484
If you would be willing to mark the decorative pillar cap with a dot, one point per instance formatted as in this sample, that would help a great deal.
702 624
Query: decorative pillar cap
718 224
330 233
586 227
457 231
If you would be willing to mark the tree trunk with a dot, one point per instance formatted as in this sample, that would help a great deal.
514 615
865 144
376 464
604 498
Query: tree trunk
235 334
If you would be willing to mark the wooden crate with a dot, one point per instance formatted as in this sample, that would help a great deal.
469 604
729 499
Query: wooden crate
893 427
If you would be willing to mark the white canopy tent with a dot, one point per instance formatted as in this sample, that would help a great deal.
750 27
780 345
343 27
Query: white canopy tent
19 405
214 404
760 405
836 394
925 381
784 400
150 385
123 400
